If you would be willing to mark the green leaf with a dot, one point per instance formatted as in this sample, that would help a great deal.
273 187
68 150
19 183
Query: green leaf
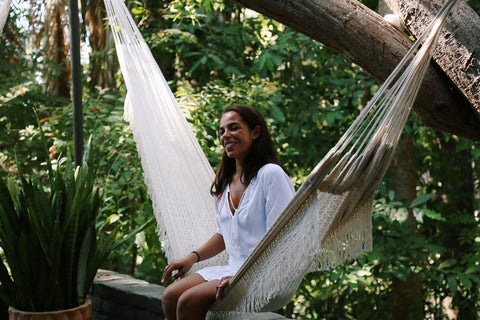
391 195
434 248
83 260
476 153
475 279
137 11
447 263
434 215
452 283
464 280
332 116
202 60
422 199
401 273
277 114
473 269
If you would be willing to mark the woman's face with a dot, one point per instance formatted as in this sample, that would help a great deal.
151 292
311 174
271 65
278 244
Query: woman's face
235 135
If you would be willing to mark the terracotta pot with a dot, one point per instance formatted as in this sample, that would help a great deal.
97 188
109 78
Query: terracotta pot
83 312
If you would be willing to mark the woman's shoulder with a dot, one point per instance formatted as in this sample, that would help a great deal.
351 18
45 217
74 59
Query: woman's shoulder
271 169
272 177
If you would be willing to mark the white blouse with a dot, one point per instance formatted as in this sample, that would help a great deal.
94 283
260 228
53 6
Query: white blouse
262 202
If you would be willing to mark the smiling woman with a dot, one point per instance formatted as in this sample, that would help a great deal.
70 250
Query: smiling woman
251 189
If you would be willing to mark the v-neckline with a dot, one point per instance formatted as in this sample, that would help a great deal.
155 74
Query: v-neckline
230 204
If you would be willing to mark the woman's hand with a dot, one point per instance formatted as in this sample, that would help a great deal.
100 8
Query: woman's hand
221 287
180 265
211 248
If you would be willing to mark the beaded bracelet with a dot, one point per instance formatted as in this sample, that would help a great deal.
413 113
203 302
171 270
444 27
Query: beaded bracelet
199 257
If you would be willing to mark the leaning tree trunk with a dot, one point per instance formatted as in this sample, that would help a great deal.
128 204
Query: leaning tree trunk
458 51
367 39
408 299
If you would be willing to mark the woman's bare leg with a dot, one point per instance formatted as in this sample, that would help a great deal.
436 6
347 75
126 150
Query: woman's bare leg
194 303
173 292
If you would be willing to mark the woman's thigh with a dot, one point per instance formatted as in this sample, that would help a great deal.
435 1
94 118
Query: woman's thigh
176 289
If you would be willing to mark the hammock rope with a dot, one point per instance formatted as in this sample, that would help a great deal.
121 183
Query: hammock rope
329 219
4 8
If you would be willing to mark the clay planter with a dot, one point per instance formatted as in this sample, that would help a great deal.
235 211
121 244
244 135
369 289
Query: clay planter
83 312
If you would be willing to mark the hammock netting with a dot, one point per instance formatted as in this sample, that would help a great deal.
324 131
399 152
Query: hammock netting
328 221
176 170
4 8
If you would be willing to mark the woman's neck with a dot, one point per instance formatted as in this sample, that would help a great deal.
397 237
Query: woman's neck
238 168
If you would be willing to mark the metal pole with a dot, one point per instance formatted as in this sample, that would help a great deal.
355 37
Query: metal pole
76 82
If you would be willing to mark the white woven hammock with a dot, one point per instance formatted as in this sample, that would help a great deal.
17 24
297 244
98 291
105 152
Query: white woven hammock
327 222
4 8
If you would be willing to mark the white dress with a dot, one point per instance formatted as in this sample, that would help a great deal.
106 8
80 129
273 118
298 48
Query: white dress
263 200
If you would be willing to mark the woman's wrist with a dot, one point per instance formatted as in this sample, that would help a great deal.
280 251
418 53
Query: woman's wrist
199 257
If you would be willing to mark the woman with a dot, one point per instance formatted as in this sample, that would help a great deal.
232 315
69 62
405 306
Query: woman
251 189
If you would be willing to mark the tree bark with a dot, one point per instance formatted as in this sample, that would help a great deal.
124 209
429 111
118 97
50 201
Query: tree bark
57 66
364 37
458 50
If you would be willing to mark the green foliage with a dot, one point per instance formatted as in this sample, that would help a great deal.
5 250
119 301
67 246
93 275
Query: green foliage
126 204
363 289
475 4
372 4
48 237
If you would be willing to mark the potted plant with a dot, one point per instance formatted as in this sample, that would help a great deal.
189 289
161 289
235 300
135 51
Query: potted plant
51 246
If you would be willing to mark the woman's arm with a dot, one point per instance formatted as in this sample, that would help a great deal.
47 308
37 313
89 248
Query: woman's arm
278 190
211 248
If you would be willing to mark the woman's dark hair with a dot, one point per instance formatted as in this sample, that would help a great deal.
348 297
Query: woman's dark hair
261 152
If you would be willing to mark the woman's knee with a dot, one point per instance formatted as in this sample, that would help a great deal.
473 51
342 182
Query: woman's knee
186 301
169 298
194 302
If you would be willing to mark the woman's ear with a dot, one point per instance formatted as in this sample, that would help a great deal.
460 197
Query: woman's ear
256 132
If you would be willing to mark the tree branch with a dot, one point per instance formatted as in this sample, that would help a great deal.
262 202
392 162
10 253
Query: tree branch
364 37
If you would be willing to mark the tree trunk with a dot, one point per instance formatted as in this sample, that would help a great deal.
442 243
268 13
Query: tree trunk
368 40
457 52
455 173
103 66
407 295
57 66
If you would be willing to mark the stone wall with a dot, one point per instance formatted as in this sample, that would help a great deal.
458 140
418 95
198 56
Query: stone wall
117 296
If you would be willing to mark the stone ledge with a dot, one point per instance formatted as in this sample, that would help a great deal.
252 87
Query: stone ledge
117 296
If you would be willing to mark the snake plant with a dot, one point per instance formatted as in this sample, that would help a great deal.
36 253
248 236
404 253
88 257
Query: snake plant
51 248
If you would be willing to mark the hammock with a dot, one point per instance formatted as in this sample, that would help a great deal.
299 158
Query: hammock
4 7
326 223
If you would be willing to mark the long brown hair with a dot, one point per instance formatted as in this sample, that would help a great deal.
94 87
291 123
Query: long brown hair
261 152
